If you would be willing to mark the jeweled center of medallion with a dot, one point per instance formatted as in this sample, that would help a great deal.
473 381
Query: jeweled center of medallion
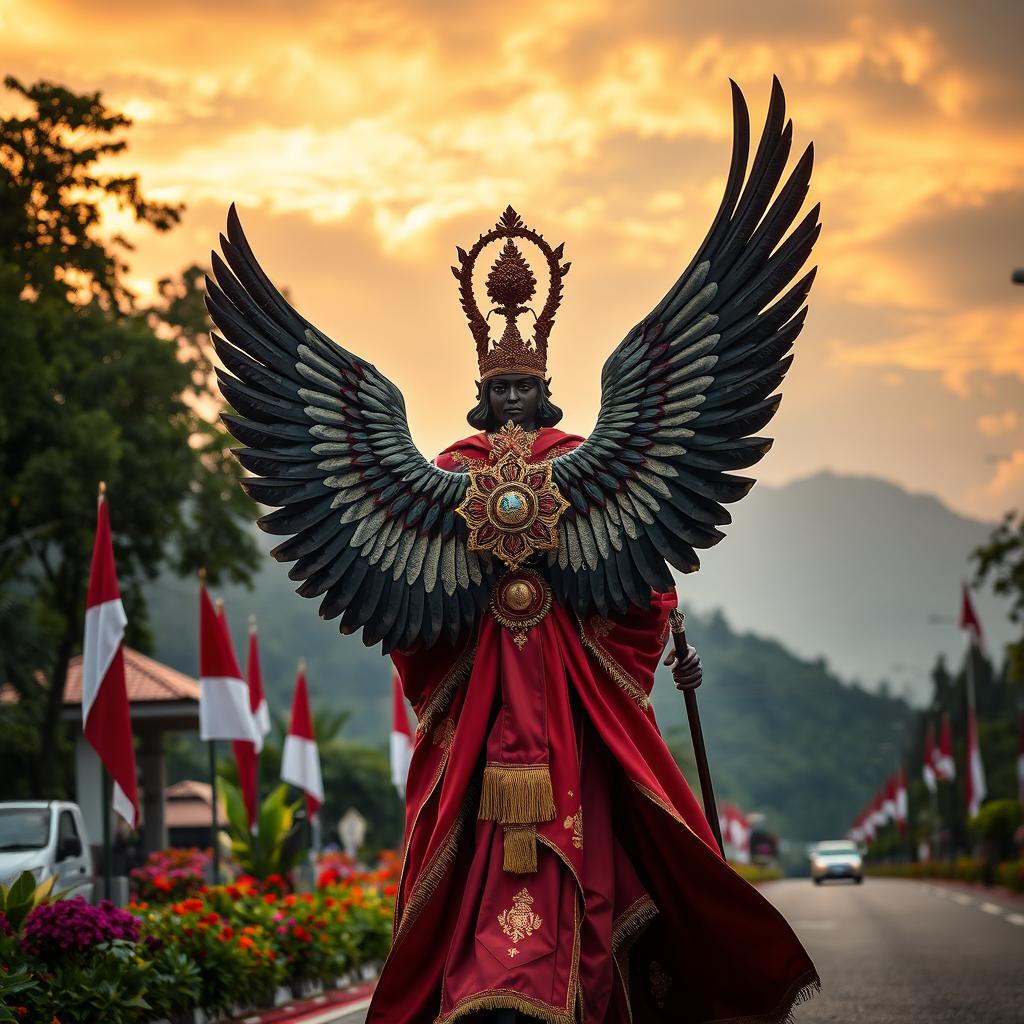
512 508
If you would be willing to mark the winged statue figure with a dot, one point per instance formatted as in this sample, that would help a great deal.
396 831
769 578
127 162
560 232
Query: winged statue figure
524 531
372 525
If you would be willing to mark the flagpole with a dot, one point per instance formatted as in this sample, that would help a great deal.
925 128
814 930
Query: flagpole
106 782
214 824
213 812
108 867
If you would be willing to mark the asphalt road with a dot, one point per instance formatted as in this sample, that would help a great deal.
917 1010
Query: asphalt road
895 952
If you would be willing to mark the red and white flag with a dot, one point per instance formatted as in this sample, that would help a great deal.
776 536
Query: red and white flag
856 831
901 800
928 767
247 752
257 698
867 823
974 779
878 816
969 620
401 737
736 832
224 712
889 799
106 717
945 766
300 762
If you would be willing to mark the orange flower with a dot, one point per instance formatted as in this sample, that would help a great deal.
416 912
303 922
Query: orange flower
269 898
245 942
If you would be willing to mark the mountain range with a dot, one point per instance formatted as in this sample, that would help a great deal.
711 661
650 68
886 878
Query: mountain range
852 569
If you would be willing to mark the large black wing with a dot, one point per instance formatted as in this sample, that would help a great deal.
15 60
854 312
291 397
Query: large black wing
371 524
687 386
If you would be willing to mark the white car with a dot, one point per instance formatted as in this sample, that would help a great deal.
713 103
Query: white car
46 837
837 858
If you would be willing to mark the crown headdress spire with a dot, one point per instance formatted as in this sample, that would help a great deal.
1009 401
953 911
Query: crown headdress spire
510 286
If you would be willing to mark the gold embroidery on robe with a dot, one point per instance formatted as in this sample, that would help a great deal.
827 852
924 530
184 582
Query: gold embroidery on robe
519 921
575 822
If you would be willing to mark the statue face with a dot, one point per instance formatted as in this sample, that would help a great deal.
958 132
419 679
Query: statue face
515 397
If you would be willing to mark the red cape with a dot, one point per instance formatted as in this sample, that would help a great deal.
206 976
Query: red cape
631 914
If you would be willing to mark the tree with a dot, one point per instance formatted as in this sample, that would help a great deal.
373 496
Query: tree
95 388
1003 558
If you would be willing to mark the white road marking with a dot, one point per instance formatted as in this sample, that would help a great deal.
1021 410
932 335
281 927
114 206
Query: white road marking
964 901
991 908
1015 918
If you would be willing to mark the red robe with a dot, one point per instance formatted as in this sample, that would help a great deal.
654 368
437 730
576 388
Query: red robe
631 914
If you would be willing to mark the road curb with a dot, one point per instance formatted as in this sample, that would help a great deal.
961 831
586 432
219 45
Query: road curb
321 1009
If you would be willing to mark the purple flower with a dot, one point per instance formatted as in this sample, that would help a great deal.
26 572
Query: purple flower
67 926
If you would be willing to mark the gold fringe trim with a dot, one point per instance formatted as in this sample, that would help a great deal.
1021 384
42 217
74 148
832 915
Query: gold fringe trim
520 845
618 674
626 929
430 878
632 923
444 734
806 987
517 794
439 700
506 999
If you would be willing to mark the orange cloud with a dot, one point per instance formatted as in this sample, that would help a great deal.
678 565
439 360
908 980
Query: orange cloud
997 424
956 345
363 140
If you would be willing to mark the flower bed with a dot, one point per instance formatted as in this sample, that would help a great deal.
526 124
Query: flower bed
221 949
170 875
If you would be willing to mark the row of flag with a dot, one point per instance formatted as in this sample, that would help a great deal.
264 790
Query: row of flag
888 805
231 706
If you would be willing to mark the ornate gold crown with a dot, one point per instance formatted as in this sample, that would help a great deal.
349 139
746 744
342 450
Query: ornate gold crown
510 285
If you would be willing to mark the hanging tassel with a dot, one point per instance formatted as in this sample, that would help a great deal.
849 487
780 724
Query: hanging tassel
517 794
520 849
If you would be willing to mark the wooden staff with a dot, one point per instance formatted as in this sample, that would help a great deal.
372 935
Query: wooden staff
707 791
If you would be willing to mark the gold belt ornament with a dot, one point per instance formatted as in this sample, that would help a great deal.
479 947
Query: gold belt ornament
520 600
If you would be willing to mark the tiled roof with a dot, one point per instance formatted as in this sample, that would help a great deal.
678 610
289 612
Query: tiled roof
187 805
146 680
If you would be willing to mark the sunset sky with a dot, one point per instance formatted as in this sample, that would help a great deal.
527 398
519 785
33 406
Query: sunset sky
364 141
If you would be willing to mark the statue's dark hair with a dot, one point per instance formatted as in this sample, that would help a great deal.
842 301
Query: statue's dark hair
548 414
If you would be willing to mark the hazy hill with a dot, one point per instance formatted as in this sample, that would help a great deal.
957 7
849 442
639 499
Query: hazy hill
852 569
784 735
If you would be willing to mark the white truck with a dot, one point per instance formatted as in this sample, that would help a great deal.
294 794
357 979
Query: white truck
46 837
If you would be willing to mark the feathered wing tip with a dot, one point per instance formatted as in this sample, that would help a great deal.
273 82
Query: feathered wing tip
687 387
369 524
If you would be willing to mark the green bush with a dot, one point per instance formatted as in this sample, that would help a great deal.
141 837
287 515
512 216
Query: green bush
995 825
1011 874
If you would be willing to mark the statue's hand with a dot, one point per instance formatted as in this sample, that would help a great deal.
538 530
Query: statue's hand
687 672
